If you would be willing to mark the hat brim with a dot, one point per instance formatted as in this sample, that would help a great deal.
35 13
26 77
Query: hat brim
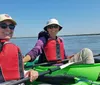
45 28
10 20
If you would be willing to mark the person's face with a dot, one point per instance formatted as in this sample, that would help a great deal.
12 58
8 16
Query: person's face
6 29
53 29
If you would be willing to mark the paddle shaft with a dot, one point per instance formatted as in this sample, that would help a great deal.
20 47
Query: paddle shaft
49 71
96 55
47 63
50 63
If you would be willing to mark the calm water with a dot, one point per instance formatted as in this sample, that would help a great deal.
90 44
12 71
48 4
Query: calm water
73 44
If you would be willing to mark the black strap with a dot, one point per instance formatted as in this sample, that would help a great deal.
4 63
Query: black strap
1 76
1 46
58 50
42 57
20 65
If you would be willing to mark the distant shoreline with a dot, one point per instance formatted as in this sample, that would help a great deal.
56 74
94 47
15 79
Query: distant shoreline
62 35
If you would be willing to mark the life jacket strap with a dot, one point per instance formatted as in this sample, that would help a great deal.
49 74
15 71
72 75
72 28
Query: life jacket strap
58 50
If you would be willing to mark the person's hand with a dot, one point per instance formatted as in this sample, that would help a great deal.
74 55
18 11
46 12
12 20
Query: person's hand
32 74
26 58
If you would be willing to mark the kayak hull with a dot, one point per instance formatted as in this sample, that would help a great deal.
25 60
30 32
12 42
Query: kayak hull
86 71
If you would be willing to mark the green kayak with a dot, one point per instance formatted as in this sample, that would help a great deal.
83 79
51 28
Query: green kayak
83 74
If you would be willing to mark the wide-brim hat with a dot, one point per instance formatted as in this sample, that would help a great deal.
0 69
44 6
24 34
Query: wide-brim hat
52 21
4 17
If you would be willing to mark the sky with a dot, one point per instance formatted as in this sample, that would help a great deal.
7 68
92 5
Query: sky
75 16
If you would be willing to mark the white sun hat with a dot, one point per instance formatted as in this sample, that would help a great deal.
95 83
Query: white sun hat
4 17
52 21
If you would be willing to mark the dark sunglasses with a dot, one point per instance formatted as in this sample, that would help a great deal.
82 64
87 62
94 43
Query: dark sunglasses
53 26
4 26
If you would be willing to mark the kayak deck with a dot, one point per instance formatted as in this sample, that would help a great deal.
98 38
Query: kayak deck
85 71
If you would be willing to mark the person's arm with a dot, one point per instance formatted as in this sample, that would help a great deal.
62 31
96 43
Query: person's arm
37 50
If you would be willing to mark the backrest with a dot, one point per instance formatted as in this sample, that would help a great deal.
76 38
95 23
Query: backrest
43 34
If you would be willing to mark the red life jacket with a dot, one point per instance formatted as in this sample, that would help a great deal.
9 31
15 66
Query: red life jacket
51 50
11 65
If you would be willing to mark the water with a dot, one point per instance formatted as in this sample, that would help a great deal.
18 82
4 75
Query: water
73 44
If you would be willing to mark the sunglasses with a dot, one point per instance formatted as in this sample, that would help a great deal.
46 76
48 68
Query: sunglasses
4 26
52 26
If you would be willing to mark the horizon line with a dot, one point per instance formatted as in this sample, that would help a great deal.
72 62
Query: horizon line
60 35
